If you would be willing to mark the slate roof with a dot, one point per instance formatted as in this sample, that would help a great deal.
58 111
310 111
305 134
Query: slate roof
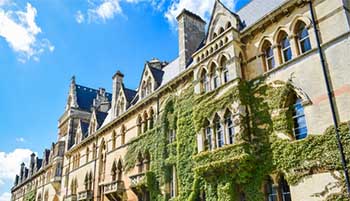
130 94
101 116
255 10
85 97
84 129
157 74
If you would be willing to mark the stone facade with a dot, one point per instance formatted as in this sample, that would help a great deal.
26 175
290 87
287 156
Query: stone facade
243 76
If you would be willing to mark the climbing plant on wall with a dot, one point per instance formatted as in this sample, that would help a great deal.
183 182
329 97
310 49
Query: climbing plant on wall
238 170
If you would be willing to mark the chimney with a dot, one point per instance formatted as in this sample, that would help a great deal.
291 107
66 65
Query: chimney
22 172
117 85
191 34
32 162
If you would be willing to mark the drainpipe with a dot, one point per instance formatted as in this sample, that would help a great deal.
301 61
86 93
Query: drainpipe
330 99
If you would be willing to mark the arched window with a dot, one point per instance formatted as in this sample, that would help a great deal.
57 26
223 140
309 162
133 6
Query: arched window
114 140
139 123
123 131
90 181
230 129
94 151
285 49
102 160
214 35
215 75
139 163
208 135
268 54
149 86
143 89
225 72
303 37
151 118
219 132
119 170
228 25
86 181
205 81
221 30
271 191
114 171
145 120
242 66
284 189
300 128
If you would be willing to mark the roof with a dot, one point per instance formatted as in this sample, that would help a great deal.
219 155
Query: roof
39 163
101 116
255 10
85 97
84 129
130 94
157 74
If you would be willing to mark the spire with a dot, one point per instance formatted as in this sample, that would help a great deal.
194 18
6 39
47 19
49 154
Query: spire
72 96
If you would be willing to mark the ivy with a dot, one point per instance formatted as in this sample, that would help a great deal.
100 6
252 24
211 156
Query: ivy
237 170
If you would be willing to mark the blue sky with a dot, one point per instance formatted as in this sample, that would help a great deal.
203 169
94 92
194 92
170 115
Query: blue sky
44 42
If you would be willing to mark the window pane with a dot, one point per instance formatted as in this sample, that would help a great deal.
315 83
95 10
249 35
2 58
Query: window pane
300 129
305 45
287 54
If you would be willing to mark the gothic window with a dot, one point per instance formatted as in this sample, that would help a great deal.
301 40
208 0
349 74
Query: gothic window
119 170
230 130
173 182
221 30
215 75
102 161
208 135
219 132
139 163
39 198
300 128
271 191
145 120
90 181
143 89
123 131
214 35
228 25
285 49
268 56
114 171
86 181
225 73
139 123
172 135
114 140
303 37
284 189
94 151
151 118
205 81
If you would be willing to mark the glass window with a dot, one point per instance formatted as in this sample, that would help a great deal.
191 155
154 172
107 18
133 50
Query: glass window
270 60
303 38
208 135
219 134
230 129
285 48
172 135
206 84
284 189
216 80
300 129
271 190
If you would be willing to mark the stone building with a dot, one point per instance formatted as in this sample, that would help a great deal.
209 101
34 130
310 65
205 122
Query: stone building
241 114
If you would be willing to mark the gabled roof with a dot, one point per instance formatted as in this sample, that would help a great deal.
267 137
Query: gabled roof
85 97
100 117
129 94
257 9
157 74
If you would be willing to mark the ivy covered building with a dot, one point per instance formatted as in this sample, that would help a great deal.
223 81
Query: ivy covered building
241 114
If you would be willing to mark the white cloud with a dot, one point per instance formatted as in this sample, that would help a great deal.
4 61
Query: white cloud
5 196
20 139
10 166
10 163
20 31
79 17
202 8
104 11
